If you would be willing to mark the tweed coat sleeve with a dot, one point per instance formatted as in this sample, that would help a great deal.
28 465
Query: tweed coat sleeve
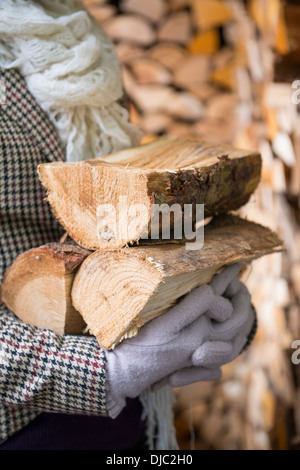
39 370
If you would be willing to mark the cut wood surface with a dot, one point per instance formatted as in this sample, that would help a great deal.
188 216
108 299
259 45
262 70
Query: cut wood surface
160 98
206 42
150 71
177 27
226 76
130 28
103 12
168 54
154 123
37 287
178 4
118 291
153 10
193 69
211 13
165 171
127 52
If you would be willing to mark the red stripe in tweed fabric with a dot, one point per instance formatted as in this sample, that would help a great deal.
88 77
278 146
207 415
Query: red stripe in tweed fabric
39 371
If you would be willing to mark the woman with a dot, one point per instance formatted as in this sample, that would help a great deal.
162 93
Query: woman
63 100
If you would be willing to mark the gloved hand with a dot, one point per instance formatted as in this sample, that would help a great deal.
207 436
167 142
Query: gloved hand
189 343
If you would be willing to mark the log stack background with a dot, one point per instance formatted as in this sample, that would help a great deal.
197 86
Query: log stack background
224 70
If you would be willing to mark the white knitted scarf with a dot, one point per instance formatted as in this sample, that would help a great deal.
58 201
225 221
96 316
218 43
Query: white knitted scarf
71 69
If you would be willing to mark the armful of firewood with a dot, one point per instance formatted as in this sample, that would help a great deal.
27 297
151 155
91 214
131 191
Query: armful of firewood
113 293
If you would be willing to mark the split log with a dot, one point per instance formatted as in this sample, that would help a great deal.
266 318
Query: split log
223 132
153 10
168 54
158 98
130 28
176 5
207 42
166 171
90 4
192 69
135 116
225 66
118 291
184 105
202 91
176 28
211 13
149 71
37 287
182 130
161 98
226 77
103 12
295 180
127 52
281 39
295 275
269 17
223 58
154 123
278 95
283 147
278 177
222 106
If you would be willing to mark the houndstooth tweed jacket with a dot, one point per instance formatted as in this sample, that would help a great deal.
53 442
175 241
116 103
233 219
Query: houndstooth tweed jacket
39 370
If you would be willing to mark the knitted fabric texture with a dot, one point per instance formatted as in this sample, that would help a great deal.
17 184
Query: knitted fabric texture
39 370
71 69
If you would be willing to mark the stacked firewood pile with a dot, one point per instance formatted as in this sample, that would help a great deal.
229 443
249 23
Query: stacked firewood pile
226 71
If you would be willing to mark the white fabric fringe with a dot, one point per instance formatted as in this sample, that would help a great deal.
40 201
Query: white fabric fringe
71 69
158 411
